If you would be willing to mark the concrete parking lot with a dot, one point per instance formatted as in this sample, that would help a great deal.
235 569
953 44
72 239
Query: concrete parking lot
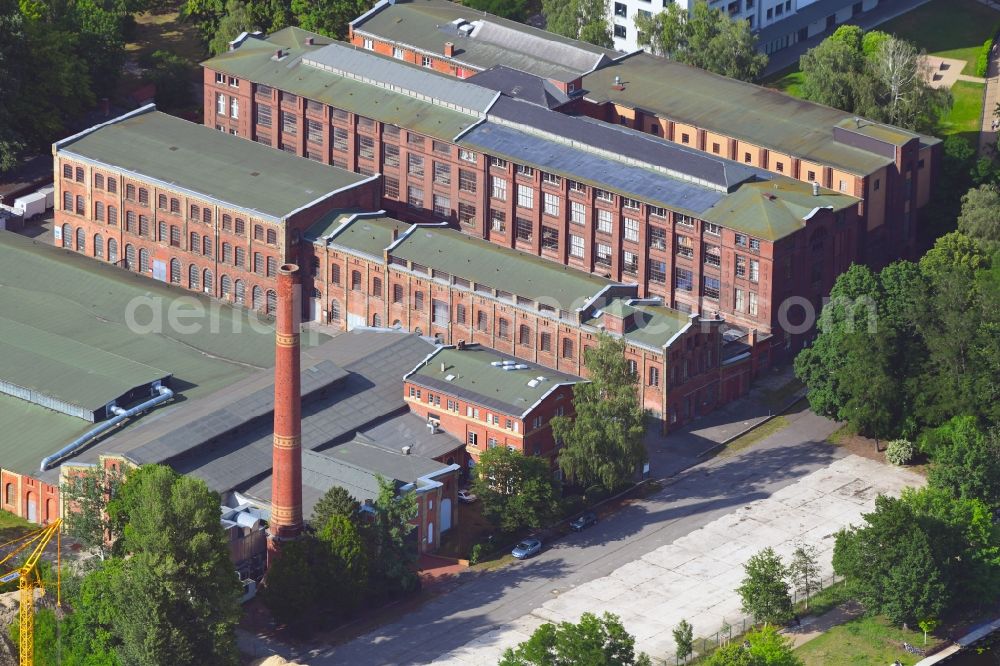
694 577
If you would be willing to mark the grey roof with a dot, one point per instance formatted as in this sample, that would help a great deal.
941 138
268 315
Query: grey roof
396 75
520 85
483 41
410 429
238 173
628 144
583 165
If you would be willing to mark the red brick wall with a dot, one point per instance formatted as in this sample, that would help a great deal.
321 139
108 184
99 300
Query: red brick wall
23 490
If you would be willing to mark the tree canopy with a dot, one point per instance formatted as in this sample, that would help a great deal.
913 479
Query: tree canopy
593 641
516 490
875 75
603 443
763 647
764 591
586 20
706 38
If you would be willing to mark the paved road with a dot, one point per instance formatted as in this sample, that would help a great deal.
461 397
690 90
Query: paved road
697 496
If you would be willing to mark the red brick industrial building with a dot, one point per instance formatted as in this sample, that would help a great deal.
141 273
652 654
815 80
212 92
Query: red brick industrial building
487 399
183 204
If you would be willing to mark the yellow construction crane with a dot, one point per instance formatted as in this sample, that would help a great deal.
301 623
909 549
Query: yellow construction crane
29 578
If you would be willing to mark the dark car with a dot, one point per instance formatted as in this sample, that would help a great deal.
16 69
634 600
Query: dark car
583 522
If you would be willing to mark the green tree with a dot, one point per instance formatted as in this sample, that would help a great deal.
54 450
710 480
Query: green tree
603 443
889 564
516 490
766 648
297 587
348 562
515 10
683 640
335 502
586 20
830 70
235 21
175 597
764 591
704 37
392 555
172 76
88 493
803 570
328 17
980 217
966 460
12 42
593 641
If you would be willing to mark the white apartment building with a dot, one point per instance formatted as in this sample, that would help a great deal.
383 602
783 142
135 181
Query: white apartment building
779 23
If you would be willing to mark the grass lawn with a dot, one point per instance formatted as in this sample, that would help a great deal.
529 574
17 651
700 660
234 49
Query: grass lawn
862 642
165 30
12 527
825 600
788 81
947 28
754 436
963 118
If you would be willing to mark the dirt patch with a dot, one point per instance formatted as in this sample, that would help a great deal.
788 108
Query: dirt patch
866 448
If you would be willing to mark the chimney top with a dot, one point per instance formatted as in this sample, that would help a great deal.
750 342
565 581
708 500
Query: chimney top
815 189
395 234
288 269
277 54
449 49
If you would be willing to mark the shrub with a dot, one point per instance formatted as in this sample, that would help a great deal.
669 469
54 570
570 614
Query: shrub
983 61
899 451
476 554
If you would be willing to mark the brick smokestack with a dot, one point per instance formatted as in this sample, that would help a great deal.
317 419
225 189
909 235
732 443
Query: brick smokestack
286 475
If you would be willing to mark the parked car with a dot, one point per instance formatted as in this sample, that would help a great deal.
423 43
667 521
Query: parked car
526 549
584 521
466 497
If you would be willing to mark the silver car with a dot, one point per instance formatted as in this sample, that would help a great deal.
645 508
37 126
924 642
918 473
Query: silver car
526 549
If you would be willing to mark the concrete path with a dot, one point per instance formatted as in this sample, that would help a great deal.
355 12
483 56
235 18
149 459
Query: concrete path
943 72
991 96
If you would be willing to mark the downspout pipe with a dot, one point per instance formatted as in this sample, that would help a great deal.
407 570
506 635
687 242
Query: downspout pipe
102 427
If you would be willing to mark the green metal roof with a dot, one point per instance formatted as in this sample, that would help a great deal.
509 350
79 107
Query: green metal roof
743 110
773 210
886 133
498 267
354 231
474 378
84 304
654 326
240 173
427 25
253 61
66 369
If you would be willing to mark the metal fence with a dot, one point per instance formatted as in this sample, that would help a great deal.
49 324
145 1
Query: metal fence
729 632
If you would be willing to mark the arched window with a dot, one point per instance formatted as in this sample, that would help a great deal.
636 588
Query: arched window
397 293
567 348
162 234
68 201
240 228
258 263
99 246
272 302
113 250
376 320
193 275
67 235
195 242
335 310
207 281
144 226
258 232
272 237
206 216
130 257
143 260
8 493
206 246
240 259
377 287
654 376
632 368
524 335
335 274
227 253
225 286
227 222
356 280
81 240
112 214
272 267
239 292
175 235
257 298
175 271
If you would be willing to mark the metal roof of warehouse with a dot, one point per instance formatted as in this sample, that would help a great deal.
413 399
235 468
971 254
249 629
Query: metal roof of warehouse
498 267
427 24
348 60
253 60
470 374
63 368
236 172
628 145
76 298
751 113
594 169
357 232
